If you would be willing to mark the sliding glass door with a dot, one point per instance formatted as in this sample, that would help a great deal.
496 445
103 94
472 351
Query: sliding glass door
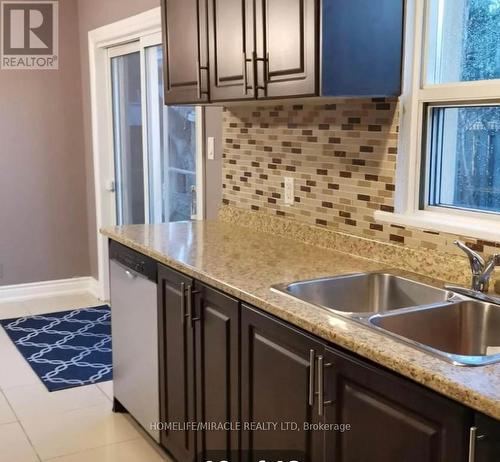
127 129
157 150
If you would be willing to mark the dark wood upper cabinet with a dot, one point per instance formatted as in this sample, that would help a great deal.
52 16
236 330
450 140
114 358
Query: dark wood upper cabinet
362 47
391 419
277 377
287 48
236 50
216 321
185 51
177 385
231 45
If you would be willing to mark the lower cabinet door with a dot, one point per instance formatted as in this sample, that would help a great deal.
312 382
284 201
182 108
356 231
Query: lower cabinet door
216 323
390 418
485 439
279 405
177 386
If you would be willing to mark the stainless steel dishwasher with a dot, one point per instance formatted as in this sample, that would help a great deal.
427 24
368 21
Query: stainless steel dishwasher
134 328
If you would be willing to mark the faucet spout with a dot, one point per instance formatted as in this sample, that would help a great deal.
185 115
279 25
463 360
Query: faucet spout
492 263
477 262
481 270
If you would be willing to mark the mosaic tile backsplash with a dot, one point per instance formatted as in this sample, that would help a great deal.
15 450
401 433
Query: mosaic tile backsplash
342 156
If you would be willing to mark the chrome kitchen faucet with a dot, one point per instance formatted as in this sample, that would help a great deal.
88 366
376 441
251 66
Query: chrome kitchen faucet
481 269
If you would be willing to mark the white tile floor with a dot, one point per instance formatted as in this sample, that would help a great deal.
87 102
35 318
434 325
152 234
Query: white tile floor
74 425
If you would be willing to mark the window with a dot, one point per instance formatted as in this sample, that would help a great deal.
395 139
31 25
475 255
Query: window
464 158
448 176
463 41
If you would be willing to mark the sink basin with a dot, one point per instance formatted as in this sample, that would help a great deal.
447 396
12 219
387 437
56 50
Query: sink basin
364 293
464 332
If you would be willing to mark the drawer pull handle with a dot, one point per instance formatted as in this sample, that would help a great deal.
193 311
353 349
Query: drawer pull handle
311 377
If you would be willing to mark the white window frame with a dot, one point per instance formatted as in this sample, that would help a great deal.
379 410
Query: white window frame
414 99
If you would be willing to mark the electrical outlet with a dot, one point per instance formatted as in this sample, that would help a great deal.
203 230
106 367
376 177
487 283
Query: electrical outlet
210 148
289 190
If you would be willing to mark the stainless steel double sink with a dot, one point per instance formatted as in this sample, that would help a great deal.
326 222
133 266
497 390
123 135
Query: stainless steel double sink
454 327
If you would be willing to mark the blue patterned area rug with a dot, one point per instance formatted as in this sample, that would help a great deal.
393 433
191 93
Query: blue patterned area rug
66 349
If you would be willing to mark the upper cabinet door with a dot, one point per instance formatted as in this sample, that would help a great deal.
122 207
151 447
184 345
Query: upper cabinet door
231 45
362 47
185 48
287 49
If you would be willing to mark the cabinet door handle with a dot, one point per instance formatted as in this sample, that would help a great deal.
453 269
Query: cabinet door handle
473 439
245 75
190 293
321 395
266 70
256 86
199 91
183 303
311 376
321 384
198 79
472 444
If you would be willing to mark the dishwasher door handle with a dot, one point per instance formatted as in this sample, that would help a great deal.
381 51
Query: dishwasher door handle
131 274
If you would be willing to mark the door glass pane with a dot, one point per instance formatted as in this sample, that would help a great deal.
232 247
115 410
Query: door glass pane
127 122
464 167
171 149
463 40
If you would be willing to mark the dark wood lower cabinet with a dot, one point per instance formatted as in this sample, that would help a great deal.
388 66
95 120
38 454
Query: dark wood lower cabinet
177 385
226 363
199 366
486 435
217 334
390 418
278 387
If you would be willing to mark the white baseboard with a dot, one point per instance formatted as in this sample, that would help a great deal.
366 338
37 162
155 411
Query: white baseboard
72 286
94 287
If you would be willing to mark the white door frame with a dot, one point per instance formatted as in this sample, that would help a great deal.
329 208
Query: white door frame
120 32
144 27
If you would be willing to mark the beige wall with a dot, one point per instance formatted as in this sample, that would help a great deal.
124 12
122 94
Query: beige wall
93 14
43 216
47 205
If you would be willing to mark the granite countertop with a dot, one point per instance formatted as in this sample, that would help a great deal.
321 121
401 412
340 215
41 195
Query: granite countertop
245 263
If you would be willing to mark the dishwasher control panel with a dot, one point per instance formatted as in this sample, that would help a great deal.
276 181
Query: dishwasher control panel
133 260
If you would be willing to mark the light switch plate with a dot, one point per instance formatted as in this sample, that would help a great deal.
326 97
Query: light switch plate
289 190
210 148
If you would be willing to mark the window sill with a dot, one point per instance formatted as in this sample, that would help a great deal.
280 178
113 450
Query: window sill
487 229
